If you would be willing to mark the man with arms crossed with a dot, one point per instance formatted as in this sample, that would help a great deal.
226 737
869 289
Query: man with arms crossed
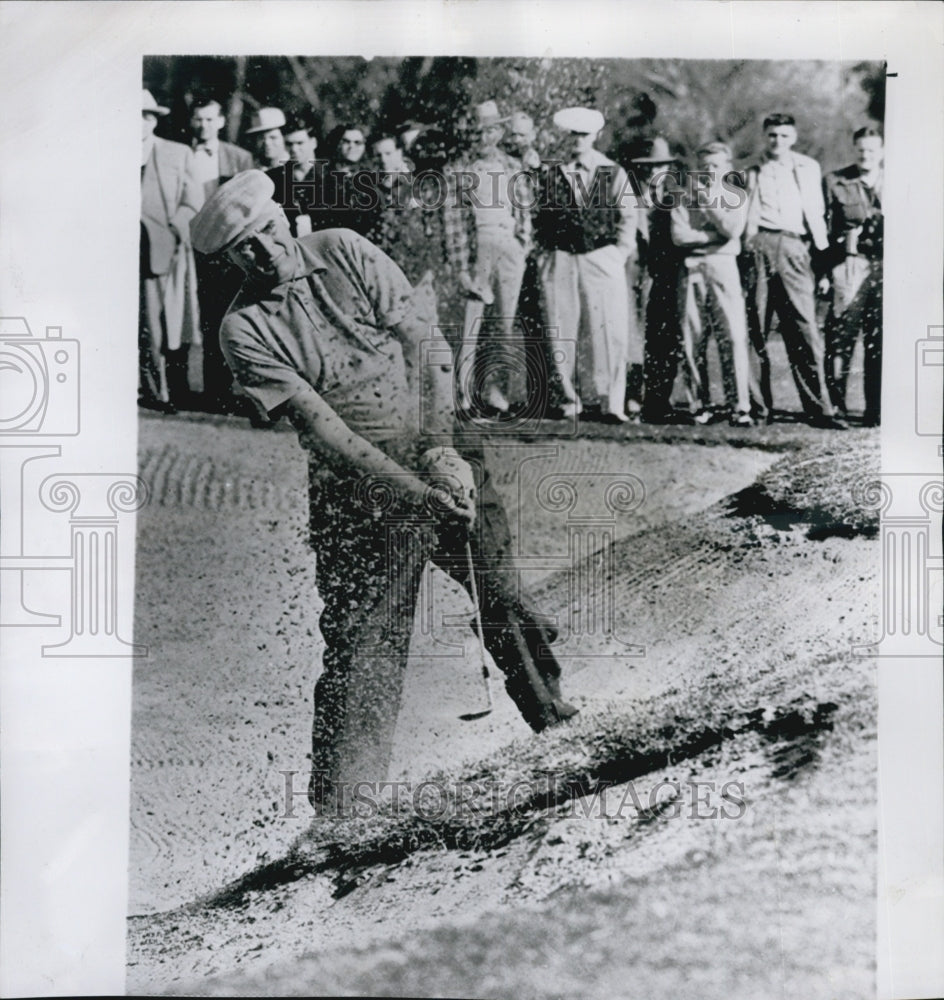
328 330
707 225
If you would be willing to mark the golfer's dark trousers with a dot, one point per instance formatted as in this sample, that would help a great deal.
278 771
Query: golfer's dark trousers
371 554
779 279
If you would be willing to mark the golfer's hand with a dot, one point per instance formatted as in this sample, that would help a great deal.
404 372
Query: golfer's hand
453 477
822 286
455 514
447 467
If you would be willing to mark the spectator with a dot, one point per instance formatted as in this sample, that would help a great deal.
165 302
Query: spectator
168 311
348 186
707 224
786 214
215 162
586 223
521 140
299 182
266 128
855 224
407 228
658 175
488 234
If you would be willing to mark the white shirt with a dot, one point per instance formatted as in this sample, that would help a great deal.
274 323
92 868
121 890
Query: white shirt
781 206
206 166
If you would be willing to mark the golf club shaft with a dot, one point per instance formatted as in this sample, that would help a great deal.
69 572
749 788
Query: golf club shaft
478 621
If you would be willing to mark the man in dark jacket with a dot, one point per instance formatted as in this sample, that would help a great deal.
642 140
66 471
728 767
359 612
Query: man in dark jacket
855 224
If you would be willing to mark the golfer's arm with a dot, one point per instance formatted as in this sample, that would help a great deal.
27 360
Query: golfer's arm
429 379
323 432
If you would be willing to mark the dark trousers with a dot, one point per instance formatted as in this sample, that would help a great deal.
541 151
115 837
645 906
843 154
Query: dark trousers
779 279
371 553
541 391
857 308
663 343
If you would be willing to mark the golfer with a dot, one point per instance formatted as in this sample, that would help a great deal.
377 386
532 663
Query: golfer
327 330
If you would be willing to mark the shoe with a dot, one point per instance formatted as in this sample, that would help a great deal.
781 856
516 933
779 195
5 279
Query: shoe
741 419
559 711
613 418
829 423
871 420
565 412
702 417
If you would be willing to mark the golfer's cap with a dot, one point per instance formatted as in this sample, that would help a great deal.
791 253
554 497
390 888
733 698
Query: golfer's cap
231 212
582 120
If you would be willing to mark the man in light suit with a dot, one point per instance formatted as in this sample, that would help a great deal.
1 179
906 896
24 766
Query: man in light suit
215 162
786 216
168 311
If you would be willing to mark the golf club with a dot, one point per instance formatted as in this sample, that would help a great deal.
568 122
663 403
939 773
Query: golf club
469 716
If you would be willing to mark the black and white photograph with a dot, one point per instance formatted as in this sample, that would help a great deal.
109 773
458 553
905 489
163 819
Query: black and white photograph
506 562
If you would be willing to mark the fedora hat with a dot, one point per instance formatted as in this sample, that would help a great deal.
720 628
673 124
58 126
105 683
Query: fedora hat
266 119
149 104
486 114
658 152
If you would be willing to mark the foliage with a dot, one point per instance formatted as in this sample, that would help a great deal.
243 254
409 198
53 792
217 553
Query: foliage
688 101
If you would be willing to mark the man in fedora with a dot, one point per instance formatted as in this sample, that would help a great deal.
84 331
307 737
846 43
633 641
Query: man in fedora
586 225
487 220
214 163
327 330
785 219
266 130
168 313
658 177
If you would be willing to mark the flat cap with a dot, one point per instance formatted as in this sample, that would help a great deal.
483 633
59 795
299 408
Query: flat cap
231 211
583 120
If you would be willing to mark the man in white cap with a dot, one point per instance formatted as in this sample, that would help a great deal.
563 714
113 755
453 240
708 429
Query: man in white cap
586 223
266 129
487 220
168 314
327 330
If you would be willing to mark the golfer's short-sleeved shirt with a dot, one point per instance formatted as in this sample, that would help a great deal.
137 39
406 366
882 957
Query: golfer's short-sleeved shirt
328 328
